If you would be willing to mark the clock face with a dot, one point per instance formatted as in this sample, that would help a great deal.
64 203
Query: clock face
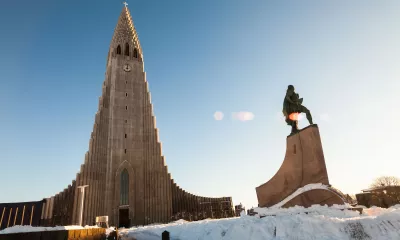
127 68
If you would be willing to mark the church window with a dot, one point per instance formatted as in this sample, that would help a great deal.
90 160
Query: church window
125 150
119 50
126 121
126 107
126 49
135 53
126 135
124 191
126 94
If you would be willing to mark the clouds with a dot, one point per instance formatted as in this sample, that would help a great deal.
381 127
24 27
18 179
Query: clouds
241 116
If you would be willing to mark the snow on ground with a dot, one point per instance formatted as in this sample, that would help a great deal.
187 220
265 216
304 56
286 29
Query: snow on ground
316 222
18 229
109 230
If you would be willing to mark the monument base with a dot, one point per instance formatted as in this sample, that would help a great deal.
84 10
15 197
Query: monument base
315 196
304 164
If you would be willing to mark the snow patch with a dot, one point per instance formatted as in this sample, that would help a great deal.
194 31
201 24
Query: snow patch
19 229
109 230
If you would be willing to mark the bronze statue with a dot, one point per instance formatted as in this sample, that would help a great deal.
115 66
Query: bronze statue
292 105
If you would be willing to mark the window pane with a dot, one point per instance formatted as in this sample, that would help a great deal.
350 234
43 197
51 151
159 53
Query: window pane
124 191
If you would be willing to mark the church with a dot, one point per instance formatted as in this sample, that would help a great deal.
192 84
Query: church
124 174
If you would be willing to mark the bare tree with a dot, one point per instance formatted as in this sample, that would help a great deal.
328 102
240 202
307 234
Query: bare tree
385 181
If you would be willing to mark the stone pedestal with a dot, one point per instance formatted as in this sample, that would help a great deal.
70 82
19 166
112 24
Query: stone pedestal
304 164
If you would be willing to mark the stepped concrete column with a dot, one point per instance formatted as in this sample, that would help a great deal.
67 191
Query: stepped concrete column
81 202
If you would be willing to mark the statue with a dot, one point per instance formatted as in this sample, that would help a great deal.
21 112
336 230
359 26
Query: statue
292 106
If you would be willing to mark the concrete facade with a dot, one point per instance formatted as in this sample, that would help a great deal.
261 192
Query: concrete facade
125 137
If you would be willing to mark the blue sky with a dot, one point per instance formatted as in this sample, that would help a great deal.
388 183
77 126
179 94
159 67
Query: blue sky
201 57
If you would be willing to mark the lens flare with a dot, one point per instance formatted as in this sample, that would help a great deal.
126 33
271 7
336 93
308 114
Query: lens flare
294 116
218 116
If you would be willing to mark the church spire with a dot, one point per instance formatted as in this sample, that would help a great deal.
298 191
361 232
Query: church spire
125 40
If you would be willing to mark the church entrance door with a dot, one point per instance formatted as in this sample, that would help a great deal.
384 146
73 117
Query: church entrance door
124 220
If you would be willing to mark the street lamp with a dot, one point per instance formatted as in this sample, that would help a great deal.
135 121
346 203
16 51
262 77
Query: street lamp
82 197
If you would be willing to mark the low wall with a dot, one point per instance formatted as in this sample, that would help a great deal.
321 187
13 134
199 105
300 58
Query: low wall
22 213
81 234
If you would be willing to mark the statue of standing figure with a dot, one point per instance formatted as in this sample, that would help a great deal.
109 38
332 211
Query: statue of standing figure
292 106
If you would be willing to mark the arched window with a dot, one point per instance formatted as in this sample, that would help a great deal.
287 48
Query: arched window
124 199
119 50
126 49
135 53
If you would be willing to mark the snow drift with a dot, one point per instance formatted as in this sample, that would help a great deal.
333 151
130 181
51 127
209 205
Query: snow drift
19 229
316 222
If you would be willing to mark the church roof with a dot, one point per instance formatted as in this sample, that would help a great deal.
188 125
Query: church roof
374 189
125 31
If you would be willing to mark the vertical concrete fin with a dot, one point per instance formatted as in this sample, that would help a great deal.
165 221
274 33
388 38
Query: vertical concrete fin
76 200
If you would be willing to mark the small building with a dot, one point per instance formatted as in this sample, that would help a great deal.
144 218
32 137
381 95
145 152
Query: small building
385 196
383 189
238 209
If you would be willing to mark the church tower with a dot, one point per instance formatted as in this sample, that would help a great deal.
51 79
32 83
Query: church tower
126 174
125 145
